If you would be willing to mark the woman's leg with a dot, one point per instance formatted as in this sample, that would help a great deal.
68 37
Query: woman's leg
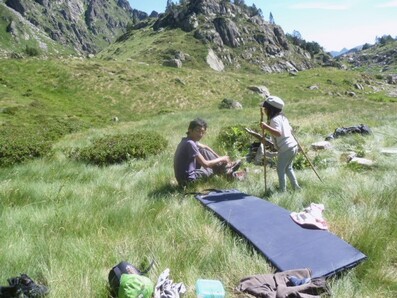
282 162
284 166
290 171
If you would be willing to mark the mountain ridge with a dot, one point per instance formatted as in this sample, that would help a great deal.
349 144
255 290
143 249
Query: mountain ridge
214 33
234 35
83 26
380 57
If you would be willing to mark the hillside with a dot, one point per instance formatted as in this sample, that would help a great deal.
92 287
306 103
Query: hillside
219 33
80 26
18 35
214 32
67 219
378 58
67 222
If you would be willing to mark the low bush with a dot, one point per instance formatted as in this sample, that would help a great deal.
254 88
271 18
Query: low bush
32 51
10 110
23 143
300 162
234 140
120 148
19 148
378 97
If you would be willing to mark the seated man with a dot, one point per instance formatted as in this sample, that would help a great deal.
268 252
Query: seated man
193 160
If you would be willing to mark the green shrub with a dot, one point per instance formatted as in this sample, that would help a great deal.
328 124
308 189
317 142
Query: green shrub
15 55
10 110
20 144
300 162
120 148
323 162
378 97
32 52
19 148
234 140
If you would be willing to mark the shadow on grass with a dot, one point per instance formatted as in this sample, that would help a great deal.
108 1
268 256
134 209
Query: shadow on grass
173 190
267 193
166 190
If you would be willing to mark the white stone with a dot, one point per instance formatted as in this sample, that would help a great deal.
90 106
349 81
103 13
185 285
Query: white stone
321 145
214 62
389 151
362 161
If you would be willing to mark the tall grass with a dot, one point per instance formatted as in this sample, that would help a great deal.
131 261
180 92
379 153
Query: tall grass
66 223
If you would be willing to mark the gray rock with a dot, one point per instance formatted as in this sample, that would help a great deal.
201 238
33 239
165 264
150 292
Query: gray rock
323 145
228 31
214 62
392 79
173 63
230 104
351 93
362 161
261 90
389 151
358 86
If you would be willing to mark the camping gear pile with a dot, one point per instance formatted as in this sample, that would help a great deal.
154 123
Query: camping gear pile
342 131
126 281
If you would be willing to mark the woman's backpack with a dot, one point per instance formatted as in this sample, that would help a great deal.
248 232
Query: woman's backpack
135 286
121 268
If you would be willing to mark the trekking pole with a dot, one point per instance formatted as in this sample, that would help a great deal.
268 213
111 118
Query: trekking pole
304 154
264 148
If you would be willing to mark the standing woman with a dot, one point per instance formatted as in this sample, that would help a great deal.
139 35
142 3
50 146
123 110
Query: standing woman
279 128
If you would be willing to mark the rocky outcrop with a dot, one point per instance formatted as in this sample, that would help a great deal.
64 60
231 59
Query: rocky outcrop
236 34
378 57
84 25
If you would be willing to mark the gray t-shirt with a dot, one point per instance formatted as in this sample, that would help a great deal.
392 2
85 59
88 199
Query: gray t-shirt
185 160
286 140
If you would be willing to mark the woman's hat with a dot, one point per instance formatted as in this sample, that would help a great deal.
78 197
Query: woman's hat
275 102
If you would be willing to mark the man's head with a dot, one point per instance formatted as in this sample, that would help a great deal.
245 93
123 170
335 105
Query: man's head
197 129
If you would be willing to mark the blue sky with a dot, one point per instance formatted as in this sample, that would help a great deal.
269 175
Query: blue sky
333 24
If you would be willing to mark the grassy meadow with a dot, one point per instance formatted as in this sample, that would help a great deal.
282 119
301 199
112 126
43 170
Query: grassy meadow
66 223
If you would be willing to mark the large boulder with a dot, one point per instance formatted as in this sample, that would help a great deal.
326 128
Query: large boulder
214 62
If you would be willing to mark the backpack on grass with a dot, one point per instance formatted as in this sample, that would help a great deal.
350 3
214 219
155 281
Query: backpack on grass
135 286
125 278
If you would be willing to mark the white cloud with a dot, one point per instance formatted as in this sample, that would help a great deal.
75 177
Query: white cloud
388 4
324 6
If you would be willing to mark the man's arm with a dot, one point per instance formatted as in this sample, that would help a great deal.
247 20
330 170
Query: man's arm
211 163
208 148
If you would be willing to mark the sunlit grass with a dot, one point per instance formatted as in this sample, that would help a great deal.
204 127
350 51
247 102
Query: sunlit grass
66 223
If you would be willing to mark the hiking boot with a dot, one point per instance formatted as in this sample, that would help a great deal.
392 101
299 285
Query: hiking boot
28 286
233 167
